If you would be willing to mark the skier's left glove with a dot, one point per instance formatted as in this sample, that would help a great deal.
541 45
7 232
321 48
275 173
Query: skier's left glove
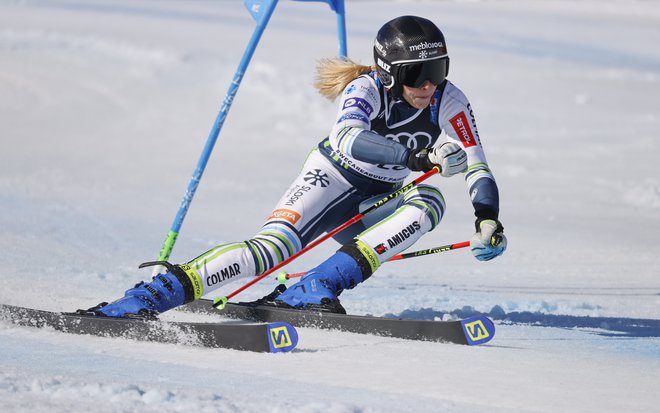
449 157
489 241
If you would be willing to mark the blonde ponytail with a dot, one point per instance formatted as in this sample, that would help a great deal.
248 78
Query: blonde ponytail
332 75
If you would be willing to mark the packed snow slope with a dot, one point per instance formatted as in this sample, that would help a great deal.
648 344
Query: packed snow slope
105 106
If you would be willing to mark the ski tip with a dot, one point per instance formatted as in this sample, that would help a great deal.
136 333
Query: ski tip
478 330
282 337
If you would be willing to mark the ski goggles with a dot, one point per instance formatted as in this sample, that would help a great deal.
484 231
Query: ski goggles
415 74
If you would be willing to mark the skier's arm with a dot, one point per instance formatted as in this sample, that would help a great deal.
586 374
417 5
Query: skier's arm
489 240
368 146
460 126
352 135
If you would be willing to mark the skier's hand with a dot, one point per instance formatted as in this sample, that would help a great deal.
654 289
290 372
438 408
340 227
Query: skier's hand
489 241
449 157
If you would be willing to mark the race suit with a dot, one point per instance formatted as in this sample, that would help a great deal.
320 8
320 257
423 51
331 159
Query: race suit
359 163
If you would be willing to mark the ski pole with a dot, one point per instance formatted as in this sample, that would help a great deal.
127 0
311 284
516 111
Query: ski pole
282 276
429 251
219 302
261 15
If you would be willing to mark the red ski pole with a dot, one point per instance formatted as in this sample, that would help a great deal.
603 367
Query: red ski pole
282 277
219 302
435 250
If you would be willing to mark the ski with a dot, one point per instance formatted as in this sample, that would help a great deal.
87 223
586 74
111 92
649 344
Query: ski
270 337
470 331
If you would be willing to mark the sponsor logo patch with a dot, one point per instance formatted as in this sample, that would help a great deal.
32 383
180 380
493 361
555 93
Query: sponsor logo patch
366 251
280 338
404 234
285 214
425 45
380 48
462 128
296 193
384 65
476 330
353 116
359 103
224 274
195 278
416 140
434 106
317 177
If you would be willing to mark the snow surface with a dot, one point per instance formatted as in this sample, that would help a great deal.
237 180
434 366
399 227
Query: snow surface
105 106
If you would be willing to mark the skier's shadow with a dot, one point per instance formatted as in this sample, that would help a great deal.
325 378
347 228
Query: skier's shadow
605 326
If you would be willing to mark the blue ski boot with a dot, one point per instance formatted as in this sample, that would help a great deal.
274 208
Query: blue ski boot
147 300
320 287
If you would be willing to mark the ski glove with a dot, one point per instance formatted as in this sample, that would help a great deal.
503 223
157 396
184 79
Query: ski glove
489 241
449 157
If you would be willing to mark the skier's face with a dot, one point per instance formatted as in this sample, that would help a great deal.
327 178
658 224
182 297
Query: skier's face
419 97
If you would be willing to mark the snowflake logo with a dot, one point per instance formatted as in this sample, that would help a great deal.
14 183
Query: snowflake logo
423 54
317 177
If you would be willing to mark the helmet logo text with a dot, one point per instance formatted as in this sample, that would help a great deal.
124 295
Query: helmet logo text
384 65
380 48
425 45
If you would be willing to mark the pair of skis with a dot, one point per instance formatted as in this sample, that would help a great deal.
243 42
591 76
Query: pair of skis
274 333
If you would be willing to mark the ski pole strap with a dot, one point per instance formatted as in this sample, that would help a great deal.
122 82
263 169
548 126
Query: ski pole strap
221 301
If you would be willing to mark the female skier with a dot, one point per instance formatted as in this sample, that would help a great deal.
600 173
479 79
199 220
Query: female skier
389 121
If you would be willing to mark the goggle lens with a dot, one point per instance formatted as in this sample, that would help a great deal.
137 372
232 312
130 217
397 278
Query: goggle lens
415 74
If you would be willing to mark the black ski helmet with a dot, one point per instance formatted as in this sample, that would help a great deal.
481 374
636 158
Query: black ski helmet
408 51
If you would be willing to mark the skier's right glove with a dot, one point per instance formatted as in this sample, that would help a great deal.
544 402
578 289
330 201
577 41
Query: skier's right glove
449 157
489 241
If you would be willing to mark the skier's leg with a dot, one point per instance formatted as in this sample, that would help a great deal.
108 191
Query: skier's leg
419 211
184 283
318 195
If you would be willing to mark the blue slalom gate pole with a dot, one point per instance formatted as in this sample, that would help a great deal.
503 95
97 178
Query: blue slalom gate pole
261 11
338 7
341 26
